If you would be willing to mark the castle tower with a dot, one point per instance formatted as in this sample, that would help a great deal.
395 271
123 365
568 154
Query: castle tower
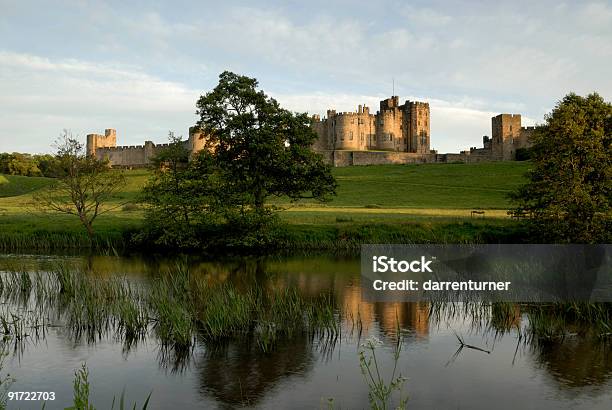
196 141
330 129
95 141
320 128
389 125
353 130
416 126
395 127
347 131
505 130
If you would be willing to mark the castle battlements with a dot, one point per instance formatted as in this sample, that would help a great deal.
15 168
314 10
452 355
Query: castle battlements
395 127
395 134
351 113
129 156
400 133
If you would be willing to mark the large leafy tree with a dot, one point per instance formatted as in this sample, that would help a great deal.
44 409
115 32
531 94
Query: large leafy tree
178 196
260 149
569 194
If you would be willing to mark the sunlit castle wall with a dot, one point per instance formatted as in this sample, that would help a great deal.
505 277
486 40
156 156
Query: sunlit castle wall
389 126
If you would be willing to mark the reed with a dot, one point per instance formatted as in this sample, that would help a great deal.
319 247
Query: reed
183 306
82 388
175 307
180 309
6 381
51 241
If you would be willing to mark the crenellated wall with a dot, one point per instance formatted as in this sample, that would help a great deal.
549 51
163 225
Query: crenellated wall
395 127
354 138
135 156
396 134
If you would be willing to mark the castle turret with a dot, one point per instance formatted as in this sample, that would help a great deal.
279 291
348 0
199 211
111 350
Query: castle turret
95 141
505 129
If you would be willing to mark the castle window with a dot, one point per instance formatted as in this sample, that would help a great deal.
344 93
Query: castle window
351 135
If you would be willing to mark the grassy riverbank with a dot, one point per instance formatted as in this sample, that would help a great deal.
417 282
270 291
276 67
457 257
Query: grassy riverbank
429 203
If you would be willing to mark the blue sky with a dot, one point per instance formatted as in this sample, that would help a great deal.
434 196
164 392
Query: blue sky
140 67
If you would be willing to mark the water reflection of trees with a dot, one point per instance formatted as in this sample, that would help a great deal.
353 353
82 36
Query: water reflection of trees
576 362
239 373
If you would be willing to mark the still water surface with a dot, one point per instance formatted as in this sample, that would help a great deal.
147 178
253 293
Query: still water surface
305 372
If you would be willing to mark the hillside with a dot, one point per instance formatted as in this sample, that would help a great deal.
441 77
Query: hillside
14 185
440 186
437 197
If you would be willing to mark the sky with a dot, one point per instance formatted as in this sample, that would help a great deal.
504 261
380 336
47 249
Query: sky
140 67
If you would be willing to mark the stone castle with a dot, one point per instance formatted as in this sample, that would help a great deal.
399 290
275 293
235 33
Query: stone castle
396 134
399 128
135 156
400 134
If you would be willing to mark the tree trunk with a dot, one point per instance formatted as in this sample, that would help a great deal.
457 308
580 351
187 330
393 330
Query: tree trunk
89 227
259 201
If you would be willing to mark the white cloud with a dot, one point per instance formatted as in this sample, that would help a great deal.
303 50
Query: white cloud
40 97
425 16
597 14
43 96
469 61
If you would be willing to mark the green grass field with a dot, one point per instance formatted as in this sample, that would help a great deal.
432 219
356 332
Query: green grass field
14 185
434 186
427 195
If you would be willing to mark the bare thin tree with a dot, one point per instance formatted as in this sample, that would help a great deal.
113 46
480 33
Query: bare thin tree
84 186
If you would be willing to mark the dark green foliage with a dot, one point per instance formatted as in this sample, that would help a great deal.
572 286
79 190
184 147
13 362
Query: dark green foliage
261 149
19 164
28 165
254 150
178 197
569 194
523 154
